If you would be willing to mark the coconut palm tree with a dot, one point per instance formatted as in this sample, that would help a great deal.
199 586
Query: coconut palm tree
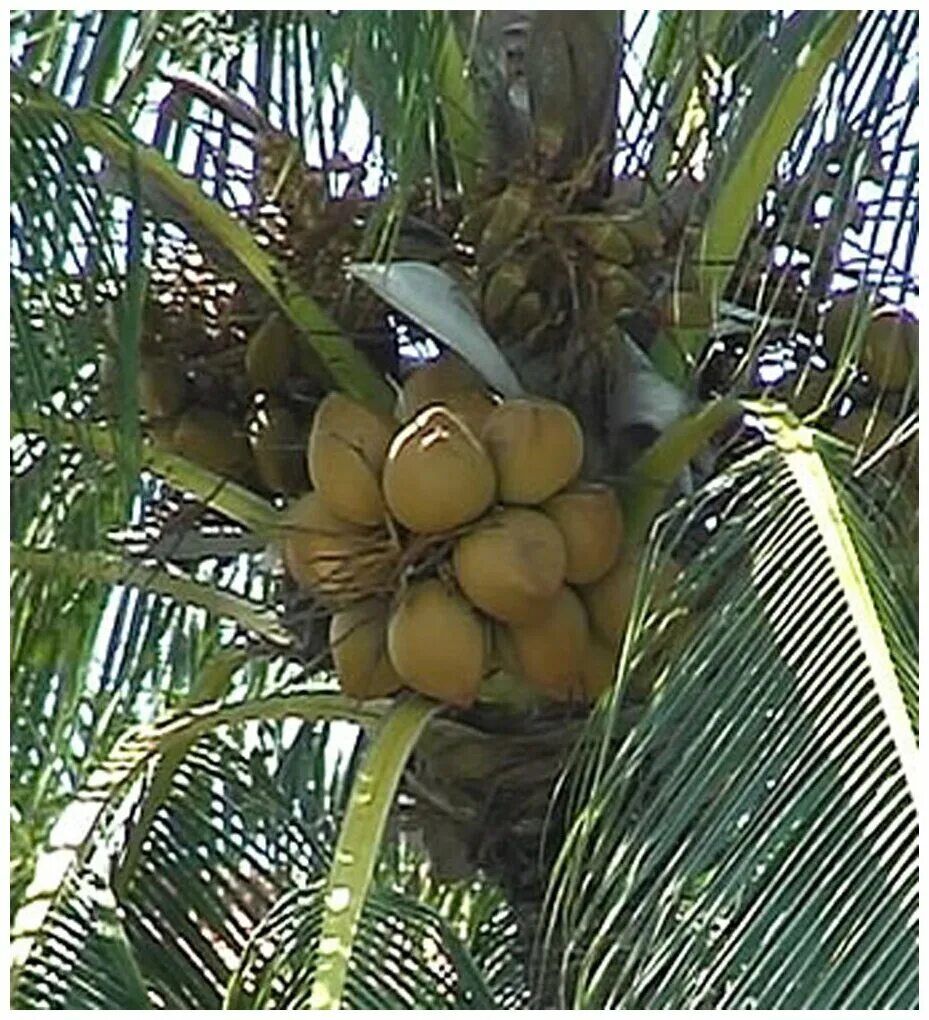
694 230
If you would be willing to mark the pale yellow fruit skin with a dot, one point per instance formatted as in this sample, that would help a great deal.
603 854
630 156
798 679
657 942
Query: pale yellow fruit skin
609 601
434 382
590 521
511 564
889 350
214 441
536 446
473 407
437 643
437 475
358 638
553 649
345 455
324 553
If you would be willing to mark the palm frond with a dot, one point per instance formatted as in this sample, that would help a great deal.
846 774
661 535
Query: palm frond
359 841
228 905
727 852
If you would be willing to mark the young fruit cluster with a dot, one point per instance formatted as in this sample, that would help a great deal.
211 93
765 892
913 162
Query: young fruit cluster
456 541
255 437
542 256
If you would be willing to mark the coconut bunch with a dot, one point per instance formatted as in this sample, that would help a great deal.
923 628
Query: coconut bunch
547 259
456 544
241 410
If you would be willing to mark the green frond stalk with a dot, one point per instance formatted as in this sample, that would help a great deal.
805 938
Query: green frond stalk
75 833
211 685
229 498
151 577
360 841
459 109
662 463
781 99
806 466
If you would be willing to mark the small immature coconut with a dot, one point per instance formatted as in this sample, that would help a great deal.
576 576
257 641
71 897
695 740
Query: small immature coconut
605 238
358 638
526 312
278 446
643 228
512 209
537 448
331 556
511 564
214 441
609 601
163 389
889 351
271 355
590 522
435 381
437 642
503 289
346 451
437 475
552 650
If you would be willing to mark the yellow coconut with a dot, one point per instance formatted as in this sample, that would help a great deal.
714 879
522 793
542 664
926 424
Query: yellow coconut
332 557
473 407
163 389
890 346
435 381
358 638
214 441
609 601
437 475
346 451
278 446
511 564
537 447
589 519
437 642
552 649
599 670
271 354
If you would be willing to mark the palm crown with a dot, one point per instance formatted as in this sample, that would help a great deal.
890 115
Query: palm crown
689 236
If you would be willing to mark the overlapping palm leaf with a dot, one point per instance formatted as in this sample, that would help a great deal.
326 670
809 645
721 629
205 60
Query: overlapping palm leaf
754 839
